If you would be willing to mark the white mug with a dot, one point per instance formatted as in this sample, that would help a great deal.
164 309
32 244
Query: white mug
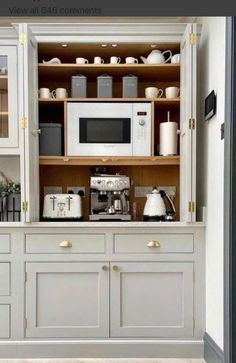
153 92
131 60
172 92
44 93
115 59
81 60
98 60
59 93
175 58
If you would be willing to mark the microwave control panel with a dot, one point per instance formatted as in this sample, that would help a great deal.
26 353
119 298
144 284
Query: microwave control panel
141 128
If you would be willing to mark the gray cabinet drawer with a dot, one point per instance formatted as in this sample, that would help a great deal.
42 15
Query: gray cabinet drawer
65 243
4 279
4 243
5 321
153 243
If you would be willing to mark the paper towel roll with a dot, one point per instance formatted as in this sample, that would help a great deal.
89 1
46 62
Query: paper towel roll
168 138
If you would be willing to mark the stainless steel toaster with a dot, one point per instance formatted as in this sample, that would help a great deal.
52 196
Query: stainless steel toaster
62 206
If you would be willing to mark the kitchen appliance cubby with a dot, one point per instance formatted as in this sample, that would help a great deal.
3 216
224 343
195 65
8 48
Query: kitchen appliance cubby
140 176
66 170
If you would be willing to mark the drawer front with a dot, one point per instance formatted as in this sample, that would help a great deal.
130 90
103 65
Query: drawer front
65 243
5 243
4 278
5 321
153 243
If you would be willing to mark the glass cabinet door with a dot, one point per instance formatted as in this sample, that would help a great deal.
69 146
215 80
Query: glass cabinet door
8 97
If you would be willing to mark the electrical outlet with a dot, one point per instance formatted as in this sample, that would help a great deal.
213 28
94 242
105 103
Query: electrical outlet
52 190
76 190
140 192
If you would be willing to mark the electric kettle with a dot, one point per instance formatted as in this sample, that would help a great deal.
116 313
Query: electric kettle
155 209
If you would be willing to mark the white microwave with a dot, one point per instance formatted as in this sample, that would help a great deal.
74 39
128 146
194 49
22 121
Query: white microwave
108 129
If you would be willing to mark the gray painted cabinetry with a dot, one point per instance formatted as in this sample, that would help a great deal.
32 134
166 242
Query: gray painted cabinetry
103 283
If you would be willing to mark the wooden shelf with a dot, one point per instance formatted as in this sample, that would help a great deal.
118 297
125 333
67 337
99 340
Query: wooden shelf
164 101
162 72
3 113
121 160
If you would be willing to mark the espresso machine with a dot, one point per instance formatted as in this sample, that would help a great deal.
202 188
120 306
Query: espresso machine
109 197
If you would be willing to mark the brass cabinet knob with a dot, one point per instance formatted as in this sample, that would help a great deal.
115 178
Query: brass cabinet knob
65 244
104 267
38 131
104 160
115 268
153 244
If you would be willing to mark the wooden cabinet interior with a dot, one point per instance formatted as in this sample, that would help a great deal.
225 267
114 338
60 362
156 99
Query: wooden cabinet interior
64 176
71 171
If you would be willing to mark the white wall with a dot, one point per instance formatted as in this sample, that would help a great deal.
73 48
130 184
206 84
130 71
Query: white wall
210 171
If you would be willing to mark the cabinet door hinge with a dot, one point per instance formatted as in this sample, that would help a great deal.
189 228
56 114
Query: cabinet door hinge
23 122
25 276
191 207
192 38
25 323
24 207
22 39
191 123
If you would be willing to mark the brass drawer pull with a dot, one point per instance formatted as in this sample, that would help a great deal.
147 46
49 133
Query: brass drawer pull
65 244
104 267
153 244
115 268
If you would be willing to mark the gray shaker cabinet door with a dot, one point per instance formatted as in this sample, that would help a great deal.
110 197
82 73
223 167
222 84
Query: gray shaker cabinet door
152 300
67 300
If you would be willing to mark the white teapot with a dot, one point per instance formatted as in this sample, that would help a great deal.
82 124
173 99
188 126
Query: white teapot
156 57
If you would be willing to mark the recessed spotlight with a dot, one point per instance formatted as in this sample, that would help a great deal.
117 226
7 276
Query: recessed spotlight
64 45
104 45
114 45
153 45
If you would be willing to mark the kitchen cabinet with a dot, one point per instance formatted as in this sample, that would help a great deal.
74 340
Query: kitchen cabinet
177 170
5 321
114 289
4 278
152 299
99 289
72 299
9 140
67 300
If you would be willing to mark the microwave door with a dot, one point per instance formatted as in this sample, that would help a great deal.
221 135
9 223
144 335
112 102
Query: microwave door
99 129
109 136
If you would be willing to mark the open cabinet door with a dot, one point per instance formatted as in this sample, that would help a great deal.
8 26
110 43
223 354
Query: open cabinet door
188 125
28 86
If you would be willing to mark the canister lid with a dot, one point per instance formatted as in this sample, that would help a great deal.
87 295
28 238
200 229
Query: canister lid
130 76
79 76
104 76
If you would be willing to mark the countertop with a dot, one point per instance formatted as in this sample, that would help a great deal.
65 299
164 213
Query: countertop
105 224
